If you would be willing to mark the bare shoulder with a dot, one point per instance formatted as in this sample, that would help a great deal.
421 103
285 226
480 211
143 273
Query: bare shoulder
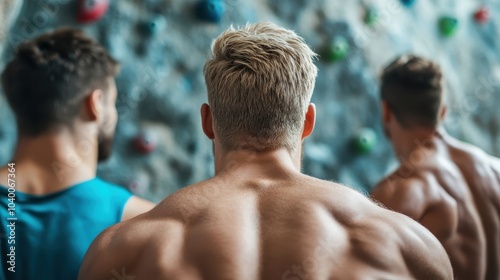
406 195
481 167
465 153
111 251
129 245
422 252
186 203
397 182
331 193
378 236
99 262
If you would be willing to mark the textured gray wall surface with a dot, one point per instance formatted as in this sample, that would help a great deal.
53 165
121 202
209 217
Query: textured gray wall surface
161 84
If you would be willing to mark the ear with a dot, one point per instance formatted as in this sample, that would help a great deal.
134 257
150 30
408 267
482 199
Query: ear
206 121
386 112
93 105
310 121
443 112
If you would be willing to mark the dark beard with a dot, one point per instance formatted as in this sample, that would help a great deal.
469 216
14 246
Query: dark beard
387 133
104 147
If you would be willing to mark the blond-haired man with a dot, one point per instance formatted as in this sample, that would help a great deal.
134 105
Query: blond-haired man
259 217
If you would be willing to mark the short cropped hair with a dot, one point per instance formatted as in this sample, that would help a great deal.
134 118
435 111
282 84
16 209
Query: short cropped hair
260 79
50 75
413 88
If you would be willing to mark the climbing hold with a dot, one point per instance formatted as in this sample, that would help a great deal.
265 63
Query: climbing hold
139 184
371 16
153 26
146 142
448 26
136 188
338 49
92 10
408 3
365 140
482 15
210 10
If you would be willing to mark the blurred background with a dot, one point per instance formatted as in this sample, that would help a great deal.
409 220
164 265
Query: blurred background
163 45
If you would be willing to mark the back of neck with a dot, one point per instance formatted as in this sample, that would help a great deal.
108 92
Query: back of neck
407 142
52 162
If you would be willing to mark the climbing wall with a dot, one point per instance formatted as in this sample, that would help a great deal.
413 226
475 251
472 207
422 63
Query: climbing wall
163 45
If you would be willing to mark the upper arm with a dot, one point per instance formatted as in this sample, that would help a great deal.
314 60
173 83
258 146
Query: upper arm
418 200
136 206
441 217
100 259
425 256
404 196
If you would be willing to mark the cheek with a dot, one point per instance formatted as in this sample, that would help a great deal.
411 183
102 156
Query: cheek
114 115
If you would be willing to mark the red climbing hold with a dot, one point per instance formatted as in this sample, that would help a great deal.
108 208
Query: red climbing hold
482 15
92 10
146 142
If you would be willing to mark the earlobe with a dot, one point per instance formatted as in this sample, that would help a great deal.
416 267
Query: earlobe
206 121
310 121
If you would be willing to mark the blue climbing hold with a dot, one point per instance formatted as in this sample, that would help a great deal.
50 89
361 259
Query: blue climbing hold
210 10
408 3
153 26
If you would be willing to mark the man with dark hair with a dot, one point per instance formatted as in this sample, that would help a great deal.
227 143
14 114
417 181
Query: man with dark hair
450 187
259 217
62 91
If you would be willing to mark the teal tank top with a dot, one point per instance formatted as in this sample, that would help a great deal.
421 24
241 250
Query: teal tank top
53 232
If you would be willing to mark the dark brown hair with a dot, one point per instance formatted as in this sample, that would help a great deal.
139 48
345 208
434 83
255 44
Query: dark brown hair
50 75
412 86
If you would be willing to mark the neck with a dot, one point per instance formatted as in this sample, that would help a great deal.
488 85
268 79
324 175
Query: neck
408 141
251 163
55 161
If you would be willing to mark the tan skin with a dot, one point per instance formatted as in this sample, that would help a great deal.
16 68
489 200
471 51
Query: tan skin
74 148
451 188
260 218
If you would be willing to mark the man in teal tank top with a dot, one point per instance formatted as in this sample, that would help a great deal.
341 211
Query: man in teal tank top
61 89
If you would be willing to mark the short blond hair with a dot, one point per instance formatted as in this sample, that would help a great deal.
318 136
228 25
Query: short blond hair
260 80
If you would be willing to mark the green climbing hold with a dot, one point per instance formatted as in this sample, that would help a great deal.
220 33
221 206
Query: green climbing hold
338 50
371 17
365 140
448 26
